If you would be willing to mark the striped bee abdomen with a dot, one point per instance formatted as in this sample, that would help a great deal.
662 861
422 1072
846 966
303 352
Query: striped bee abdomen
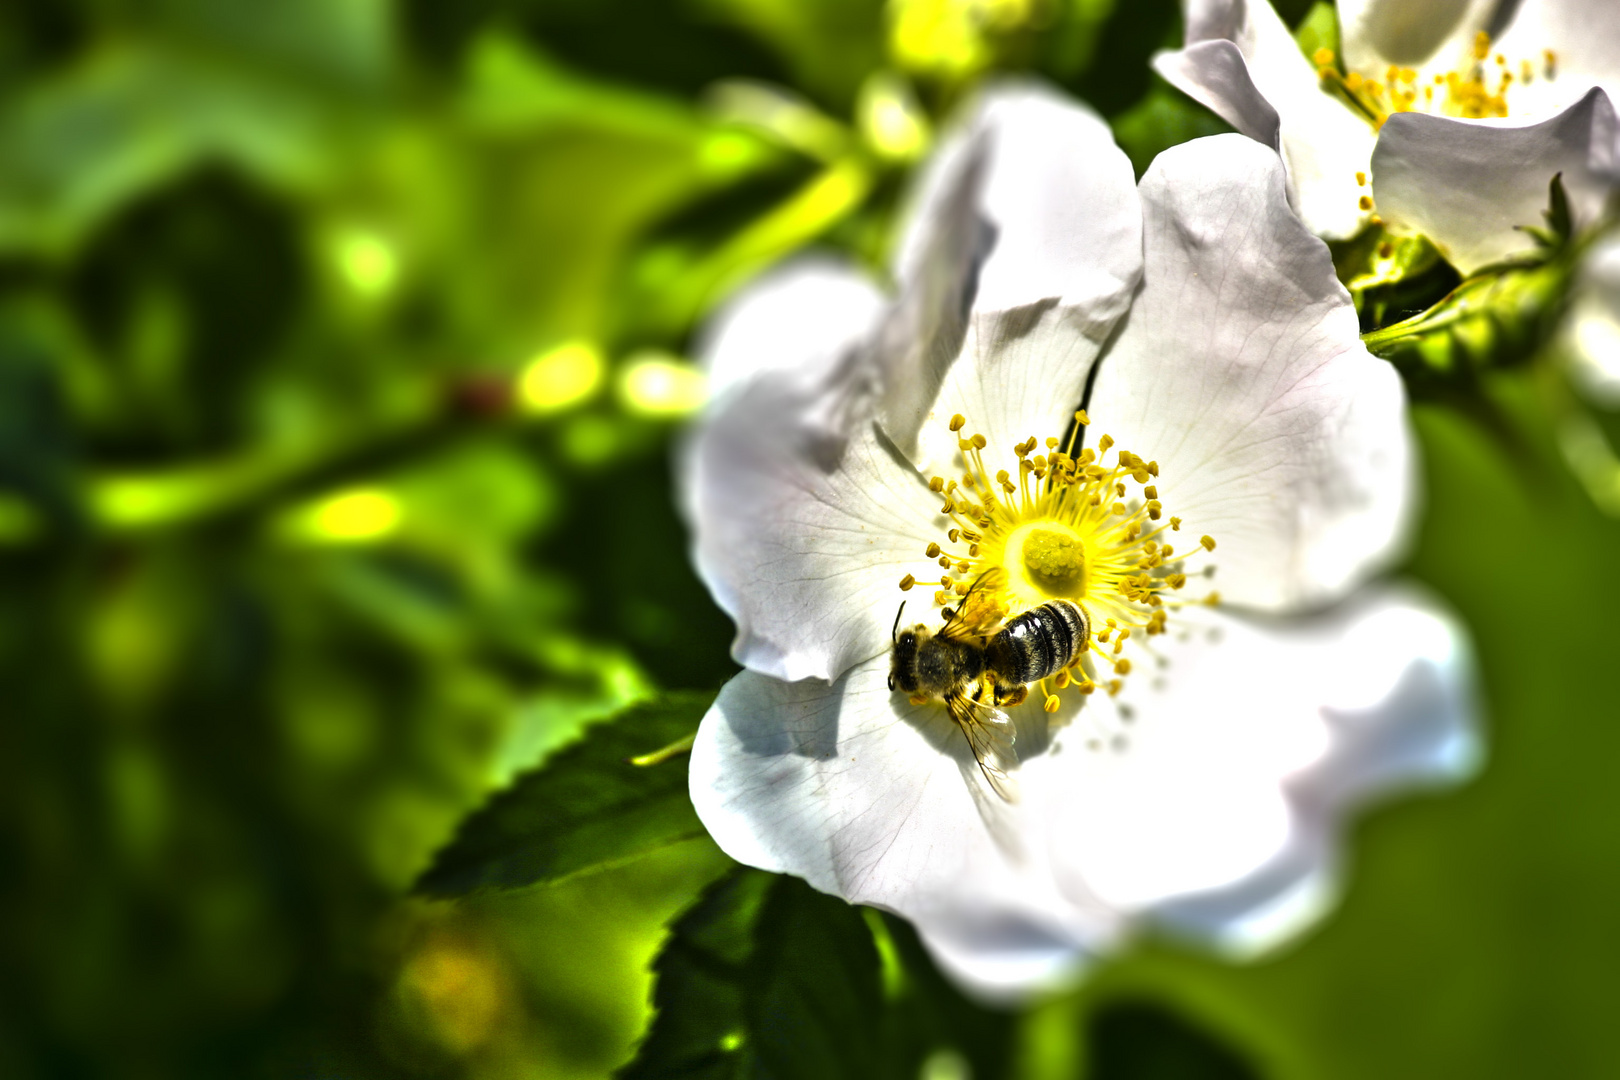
1040 642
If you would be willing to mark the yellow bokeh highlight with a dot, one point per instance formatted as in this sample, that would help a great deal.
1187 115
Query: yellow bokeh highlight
367 261
890 119
656 384
953 39
560 377
354 516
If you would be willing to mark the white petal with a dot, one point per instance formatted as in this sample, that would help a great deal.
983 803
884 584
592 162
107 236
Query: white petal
1215 74
1407 33
1468 184
1361 702
1241 371
806 312
877 801
1037 195
804 520
1271 93
1584 36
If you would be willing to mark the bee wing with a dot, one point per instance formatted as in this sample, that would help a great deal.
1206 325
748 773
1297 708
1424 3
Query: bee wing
990 735
971 620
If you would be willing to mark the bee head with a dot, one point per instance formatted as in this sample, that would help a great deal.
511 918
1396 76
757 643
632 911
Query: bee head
903 666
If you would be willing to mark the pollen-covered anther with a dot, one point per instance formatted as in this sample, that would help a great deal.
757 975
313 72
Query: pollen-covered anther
1064 528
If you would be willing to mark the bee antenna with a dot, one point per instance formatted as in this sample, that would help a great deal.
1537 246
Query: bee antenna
894 633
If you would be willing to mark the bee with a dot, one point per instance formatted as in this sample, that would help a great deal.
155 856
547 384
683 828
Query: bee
964 666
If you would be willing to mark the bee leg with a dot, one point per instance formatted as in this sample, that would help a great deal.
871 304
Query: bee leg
1014 695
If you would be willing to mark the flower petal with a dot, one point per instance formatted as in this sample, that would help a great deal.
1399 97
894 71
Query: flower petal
805 518
1322 142
1241 371
1038 205
1367 699
1408 33
877 801
805 312
1468 185
1584 38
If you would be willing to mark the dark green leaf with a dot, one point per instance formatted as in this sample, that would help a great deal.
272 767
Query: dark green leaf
1557 212
586 807
931 1015
765 977
1146 1041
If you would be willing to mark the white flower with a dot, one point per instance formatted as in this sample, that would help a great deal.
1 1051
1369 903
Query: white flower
1469 127
1205 791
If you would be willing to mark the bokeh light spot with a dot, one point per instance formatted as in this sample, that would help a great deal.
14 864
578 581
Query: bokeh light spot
560 377
657 384
355 516
368 262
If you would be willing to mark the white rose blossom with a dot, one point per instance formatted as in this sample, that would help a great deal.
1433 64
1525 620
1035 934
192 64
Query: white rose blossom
1192 773
1449 119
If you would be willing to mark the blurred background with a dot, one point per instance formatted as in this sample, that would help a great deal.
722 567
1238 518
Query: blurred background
342 348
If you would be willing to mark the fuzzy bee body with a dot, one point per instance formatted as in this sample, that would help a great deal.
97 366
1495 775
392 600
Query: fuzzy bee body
1039 643
1027 648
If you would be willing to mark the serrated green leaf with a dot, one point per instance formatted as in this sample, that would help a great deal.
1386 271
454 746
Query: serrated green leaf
765 977
585 808
699 1031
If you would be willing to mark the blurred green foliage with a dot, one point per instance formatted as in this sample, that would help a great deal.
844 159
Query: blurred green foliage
340 352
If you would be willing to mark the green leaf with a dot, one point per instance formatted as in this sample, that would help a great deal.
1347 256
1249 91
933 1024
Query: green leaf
1319 30
765 977
1142 1040
585 808
1559 223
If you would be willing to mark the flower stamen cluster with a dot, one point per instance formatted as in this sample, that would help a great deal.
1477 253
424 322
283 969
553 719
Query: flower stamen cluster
1069 527
1477 90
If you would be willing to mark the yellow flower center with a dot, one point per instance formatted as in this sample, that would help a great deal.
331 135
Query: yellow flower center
1479 88
1052 557
1072 526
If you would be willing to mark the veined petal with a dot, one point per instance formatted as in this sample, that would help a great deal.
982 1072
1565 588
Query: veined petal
1322 142
1371 698
805 518
872 799
1241 371
1468 185
805 313
1025 248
